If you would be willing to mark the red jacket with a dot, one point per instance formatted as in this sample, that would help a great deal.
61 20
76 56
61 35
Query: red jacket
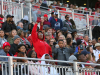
40 46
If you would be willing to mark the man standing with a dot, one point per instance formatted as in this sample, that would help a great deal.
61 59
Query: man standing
56 23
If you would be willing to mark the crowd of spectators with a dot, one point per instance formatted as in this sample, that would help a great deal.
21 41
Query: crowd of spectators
55 39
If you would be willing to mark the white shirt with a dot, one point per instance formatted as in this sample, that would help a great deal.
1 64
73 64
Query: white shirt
96 54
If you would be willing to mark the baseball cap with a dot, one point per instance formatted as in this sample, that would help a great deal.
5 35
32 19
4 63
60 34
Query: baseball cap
64 29
85 52
9 16
45 15
81 46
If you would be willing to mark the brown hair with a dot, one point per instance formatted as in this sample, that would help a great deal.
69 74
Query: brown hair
11 36
47 29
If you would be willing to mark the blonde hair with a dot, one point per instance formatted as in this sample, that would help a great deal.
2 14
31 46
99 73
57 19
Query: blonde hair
63 36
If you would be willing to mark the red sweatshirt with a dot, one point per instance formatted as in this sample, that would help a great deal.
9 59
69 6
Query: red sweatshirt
40 46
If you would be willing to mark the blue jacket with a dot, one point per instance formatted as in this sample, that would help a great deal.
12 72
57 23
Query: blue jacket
56 25
2 53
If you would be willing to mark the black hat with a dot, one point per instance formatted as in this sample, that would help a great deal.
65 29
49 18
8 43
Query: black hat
9 16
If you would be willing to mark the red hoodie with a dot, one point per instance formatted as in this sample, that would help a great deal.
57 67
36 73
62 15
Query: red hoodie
40 46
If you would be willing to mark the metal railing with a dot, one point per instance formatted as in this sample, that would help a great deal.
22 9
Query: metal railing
20 68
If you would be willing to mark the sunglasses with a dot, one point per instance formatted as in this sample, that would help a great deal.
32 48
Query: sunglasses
90 42
67 17
40 34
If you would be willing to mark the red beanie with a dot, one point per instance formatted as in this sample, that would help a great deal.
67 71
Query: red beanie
45 15
6 44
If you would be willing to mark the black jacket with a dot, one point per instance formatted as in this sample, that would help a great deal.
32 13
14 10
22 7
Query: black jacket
8 27
13 48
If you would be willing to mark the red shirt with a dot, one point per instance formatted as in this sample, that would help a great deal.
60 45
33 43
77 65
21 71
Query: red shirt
8 54
56 20
16 54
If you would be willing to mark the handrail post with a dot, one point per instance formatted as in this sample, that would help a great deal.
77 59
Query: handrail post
2 7
87 16
30 13
10 65
58 13
73 15
21 10
75 68
90 32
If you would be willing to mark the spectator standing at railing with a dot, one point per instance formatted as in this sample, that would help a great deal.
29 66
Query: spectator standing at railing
2 39
97 5
56 23
41 47
8 25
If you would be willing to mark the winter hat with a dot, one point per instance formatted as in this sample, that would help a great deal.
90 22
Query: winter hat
45 15
15 37
72 58
25 18
6 44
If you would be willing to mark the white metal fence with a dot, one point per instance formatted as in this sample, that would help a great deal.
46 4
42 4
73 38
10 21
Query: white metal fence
19 68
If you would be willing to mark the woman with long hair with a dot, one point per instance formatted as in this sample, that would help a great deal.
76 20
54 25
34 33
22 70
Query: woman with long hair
90 49
34 69
11 36
20 48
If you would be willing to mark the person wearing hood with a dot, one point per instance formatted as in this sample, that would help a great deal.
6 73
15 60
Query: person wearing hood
25 22
47 70
41 47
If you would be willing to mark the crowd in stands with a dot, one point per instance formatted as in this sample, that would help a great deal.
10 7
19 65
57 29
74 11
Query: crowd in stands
55 39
